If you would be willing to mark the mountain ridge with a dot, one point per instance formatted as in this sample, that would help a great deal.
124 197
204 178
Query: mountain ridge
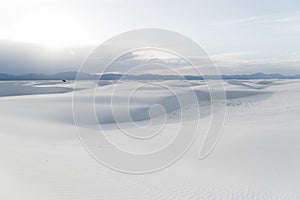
112 76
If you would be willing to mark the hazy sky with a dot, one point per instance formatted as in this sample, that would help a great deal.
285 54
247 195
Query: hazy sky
240 36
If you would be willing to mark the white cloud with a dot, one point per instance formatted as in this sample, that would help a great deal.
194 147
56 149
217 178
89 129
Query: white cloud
286 21
251 62
264 19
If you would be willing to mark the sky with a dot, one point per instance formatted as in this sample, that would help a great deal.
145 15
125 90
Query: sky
241 37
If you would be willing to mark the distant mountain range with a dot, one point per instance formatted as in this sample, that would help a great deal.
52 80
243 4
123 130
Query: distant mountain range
87 76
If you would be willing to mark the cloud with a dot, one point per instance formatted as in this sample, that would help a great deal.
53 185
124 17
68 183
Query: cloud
252 58
241 62
283 21
251 62
263 19
18 58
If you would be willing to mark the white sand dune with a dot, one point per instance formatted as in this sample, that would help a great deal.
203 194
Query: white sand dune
256 158
18 88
